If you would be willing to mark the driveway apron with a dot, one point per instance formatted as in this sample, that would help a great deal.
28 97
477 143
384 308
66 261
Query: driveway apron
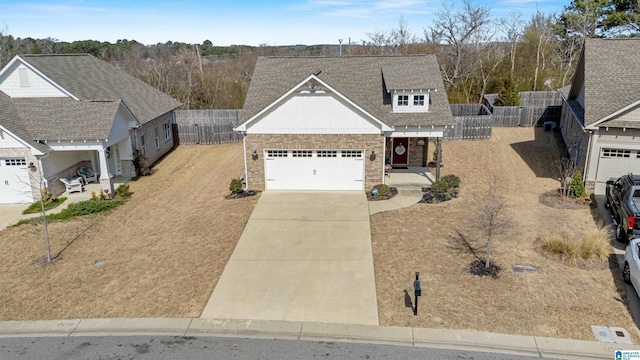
303 256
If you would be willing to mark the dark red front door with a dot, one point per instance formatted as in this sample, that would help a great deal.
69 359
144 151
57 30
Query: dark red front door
400 151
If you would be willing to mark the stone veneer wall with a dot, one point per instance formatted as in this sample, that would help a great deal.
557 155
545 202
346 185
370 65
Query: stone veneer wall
261 142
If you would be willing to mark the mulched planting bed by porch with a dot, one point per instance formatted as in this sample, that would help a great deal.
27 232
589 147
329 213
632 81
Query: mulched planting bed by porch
553 199
242 194
393 192
430 198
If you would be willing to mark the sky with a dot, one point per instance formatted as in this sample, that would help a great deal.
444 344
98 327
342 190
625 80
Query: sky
232 22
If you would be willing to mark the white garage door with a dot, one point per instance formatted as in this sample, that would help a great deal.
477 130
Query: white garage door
14 181
614 163
314 169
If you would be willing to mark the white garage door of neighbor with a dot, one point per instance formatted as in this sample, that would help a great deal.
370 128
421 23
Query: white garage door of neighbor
314 169
14 181
614 163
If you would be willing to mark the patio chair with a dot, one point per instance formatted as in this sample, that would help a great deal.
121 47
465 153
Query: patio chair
73 185
87 175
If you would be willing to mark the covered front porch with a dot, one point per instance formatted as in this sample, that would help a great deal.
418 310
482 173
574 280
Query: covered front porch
414 156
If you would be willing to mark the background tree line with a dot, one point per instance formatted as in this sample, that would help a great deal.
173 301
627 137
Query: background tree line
478 53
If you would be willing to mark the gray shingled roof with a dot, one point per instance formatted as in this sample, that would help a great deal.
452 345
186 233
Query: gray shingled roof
360 79
10 120
89 78
405 78
612 79
65 118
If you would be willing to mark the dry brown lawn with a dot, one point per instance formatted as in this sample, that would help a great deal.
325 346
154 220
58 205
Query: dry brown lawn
164 250
558 301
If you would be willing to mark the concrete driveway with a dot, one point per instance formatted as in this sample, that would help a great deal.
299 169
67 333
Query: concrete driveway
303 256
10 214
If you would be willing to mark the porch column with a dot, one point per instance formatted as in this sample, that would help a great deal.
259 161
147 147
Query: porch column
439 152
425 152
106 179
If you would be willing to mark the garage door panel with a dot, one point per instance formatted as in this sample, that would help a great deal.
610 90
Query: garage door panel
614 163
322 170
15 184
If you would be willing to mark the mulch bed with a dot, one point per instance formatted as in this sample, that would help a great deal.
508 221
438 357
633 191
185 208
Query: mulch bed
553 199
478 268
393 192
242 194
430 198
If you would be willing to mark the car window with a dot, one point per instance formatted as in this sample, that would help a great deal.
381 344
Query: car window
636 194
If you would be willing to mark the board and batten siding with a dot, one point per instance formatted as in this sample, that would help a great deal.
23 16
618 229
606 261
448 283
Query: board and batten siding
318 113
35 85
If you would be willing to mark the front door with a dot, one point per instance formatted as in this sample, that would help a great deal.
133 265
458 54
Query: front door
400 150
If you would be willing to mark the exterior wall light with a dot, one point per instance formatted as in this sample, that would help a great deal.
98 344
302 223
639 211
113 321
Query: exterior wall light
32 167
420 142
373 155
254 155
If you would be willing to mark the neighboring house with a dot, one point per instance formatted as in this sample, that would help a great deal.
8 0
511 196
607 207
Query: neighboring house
61 112
331 123
600 119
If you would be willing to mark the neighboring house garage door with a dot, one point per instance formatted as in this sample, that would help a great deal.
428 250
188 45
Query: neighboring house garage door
14 181
615 163
314 169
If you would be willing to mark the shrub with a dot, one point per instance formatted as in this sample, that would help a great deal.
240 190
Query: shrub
440 187
508 95
576 188
435 156
85 208
236 186
592 245
49 203
123 191
452 180
383 190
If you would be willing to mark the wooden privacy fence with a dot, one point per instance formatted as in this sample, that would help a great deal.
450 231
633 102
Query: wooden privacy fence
536 108
473 122
206 127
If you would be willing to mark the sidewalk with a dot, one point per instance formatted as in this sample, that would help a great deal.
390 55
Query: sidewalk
260 329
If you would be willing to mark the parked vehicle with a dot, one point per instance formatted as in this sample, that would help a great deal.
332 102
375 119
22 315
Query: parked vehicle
622 198
631 271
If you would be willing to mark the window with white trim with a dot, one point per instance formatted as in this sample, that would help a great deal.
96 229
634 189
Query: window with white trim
157 133
351 153
418 100
166 129
143 145
301 153
403 100
15 162
615 153
327 153
277 153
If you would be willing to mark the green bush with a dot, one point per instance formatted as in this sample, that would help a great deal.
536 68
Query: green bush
123 191
383 190
236 186
452 180
36 207
440 187
435 156
576 188
508 95
85 208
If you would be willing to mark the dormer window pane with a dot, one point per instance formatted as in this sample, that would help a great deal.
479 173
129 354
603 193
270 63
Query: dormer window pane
418 100
403 100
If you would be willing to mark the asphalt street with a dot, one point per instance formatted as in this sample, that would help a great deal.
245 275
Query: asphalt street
181 347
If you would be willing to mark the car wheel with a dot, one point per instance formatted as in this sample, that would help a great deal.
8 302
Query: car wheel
626 273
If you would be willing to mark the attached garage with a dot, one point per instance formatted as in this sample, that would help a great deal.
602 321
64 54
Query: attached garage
314 169
15 184
614 163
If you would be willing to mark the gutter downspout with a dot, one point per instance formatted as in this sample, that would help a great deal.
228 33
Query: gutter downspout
244 147
588 161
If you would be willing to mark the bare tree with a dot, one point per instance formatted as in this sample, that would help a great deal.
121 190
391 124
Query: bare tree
511 27
457 29
563 171
490 218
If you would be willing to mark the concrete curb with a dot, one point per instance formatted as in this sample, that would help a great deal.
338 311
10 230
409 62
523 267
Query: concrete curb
310 331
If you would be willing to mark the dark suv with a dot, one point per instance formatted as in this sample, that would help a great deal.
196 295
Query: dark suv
622 198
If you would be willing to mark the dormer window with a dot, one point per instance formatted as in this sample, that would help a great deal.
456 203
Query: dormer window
411 101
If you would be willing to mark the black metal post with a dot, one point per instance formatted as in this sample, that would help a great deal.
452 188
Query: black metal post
417 292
